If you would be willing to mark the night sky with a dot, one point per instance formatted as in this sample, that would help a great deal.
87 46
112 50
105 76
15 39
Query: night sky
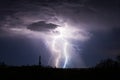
27 28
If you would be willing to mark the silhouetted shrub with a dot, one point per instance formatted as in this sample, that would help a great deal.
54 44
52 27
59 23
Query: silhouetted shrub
109 63
2 64
118 59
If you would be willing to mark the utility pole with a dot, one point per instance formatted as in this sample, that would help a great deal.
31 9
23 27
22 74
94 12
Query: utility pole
39 60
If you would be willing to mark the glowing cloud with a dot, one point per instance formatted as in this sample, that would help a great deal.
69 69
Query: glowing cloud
61 38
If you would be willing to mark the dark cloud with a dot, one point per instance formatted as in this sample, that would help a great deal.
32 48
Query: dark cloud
91 14
41 26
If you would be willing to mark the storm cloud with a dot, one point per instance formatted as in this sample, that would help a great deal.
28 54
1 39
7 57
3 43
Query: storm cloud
98 17
89 14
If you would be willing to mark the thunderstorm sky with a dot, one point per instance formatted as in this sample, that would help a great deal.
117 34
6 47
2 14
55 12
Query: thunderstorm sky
66 33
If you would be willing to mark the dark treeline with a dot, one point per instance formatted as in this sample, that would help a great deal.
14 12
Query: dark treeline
108 68
108 63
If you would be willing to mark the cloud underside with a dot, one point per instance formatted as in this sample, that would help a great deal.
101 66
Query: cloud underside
41 26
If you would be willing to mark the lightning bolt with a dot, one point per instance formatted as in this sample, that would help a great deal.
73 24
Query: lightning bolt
58 51
65 54
61 42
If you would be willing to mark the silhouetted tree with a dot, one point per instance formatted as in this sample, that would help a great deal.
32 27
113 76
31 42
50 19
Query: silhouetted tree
109 63
2 64
118 59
